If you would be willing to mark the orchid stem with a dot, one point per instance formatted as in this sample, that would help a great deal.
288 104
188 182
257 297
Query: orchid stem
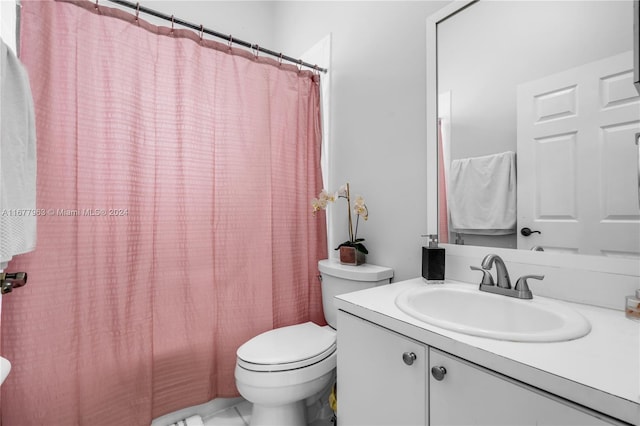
355 236
349 212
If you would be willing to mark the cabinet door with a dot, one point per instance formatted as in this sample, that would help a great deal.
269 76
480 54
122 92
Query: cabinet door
471 395
377 386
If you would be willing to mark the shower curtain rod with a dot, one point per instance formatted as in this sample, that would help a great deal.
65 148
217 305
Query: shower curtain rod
229 38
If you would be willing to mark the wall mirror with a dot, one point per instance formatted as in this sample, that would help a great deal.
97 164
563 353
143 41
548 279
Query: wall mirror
536 121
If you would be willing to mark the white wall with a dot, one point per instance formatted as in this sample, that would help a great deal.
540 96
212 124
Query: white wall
378 111
251 21
8 23
485 51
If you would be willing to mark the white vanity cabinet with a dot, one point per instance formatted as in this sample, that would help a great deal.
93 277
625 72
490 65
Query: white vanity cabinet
381 376
471 395
386 379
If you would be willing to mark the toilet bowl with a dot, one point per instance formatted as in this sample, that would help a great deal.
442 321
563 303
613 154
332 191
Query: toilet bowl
281 371
287 365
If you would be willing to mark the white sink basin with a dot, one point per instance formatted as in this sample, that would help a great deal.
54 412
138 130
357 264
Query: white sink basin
467 310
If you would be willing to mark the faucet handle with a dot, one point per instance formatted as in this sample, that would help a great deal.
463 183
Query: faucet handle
523 288
487 278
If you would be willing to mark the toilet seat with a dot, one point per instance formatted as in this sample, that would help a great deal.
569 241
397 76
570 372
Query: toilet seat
287 348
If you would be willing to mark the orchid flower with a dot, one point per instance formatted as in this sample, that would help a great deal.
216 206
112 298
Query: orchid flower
359 209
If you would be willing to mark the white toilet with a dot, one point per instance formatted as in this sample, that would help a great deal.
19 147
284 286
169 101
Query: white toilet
280 370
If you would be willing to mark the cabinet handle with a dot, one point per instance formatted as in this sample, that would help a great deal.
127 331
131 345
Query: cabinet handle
438 373
409 357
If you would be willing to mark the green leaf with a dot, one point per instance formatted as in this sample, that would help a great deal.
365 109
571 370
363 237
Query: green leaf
345 244
361 248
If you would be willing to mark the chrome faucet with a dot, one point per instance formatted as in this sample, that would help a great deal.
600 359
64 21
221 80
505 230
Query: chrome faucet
501 269
503 286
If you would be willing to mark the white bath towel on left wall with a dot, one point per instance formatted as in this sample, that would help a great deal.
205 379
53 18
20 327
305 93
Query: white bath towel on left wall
17 159
482 194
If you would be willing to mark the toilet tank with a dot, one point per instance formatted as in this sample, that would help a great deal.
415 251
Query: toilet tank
340 279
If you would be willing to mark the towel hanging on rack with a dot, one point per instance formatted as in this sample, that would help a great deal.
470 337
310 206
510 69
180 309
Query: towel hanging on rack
483 194
17 159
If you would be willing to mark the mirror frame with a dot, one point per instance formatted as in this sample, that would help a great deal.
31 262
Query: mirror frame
618 266
636 44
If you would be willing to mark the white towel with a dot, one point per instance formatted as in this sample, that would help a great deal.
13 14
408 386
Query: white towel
17 158
482 194
190 421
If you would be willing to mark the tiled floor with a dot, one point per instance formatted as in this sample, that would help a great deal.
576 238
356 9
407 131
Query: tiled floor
240 414
237 415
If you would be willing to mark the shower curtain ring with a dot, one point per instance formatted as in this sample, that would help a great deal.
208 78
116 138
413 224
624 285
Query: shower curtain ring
137 11
172 21
299 65
96 6
230 41
280 59
201 31
257 52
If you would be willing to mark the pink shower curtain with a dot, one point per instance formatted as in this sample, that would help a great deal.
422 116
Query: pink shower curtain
174 180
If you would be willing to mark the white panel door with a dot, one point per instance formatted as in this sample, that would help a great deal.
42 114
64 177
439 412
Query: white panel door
577 160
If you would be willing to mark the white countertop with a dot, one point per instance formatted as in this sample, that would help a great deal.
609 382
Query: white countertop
600 371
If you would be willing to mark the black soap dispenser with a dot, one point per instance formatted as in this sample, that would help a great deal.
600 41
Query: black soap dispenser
433 261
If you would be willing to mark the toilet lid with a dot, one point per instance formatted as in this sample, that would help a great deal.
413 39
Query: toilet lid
285 348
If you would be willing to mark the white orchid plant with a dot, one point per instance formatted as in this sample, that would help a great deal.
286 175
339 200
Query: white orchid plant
359 209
